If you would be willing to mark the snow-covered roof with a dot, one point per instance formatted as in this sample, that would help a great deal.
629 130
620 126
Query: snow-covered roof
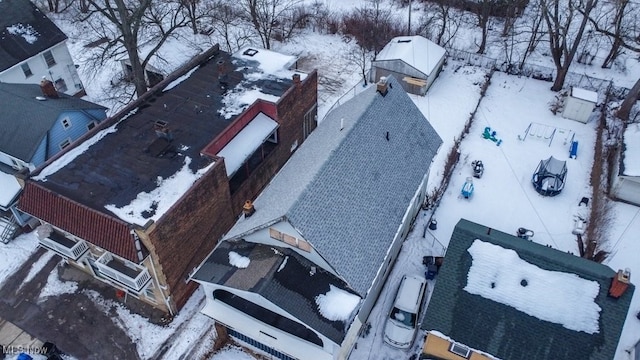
10 189
514 298
500 275
584 94
631 156
26 32
246 142
347 187
417 51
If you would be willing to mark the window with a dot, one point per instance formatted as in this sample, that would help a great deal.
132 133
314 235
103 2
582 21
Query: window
66 123
60 85
91 125
48 58
273 138
460 350
309 122
26 70
65 143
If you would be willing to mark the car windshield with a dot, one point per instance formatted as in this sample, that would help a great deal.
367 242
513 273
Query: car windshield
405 318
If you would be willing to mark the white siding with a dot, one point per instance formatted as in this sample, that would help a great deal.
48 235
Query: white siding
63 69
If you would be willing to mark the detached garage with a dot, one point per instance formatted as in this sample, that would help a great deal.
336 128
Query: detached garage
626 180
580 104
414 60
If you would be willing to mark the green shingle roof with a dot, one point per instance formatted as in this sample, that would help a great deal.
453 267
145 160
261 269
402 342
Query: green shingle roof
506 332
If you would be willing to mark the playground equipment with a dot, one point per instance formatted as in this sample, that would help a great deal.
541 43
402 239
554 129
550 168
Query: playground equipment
549 177
573 148
478 168
539 131
491 135
467 188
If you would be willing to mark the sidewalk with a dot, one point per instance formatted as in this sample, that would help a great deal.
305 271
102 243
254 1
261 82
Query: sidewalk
15 340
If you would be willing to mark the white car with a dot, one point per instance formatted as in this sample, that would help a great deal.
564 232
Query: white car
402 322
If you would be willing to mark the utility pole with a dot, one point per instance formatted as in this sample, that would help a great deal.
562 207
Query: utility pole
409 32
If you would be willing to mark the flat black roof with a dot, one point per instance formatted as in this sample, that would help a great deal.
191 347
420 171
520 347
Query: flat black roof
124 163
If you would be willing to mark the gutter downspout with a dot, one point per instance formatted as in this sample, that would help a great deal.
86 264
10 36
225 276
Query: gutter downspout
164 298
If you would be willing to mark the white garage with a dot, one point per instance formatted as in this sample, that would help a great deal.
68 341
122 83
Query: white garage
626 180
414 60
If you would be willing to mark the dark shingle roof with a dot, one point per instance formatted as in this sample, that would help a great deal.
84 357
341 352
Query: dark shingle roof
24 32
506 332
281 276
347 190
25 121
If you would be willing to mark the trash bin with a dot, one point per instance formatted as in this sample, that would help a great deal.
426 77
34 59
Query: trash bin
433 224
23 356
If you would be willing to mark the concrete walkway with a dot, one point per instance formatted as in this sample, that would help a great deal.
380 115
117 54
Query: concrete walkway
72 322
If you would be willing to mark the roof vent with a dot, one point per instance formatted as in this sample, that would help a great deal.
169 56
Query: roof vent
162 130
404 41
41 98
620 283
382 85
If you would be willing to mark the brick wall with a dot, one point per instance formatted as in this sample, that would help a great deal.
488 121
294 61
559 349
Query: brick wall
291 108
190 230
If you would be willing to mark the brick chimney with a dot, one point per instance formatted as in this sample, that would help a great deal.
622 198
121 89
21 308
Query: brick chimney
248 209
48 89
162 130
382 86
620 283
296 80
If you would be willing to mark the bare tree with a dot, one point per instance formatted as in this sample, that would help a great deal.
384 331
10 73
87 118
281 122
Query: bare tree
125 24
628 102
266 15
483 10
564 37
227 22
618 21
441 14
372 26
361 57
535 30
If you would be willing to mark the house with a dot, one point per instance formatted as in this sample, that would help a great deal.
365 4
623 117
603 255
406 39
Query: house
300 275
579 104
514 299
414 60
141 203
37 123
32 47
626 178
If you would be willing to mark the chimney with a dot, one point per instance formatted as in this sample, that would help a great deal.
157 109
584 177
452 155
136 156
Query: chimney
248 209
620 283
382 85
162 130
296 80
48 89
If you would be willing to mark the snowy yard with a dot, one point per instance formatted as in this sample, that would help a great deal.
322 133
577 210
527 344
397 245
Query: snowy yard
504 197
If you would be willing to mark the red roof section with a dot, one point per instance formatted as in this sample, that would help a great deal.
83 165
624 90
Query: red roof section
97 228
220 141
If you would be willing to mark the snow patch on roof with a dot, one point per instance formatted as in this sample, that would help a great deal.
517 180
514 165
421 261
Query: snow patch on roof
68 157
500 275
182 78
237 100
632 150
238 260
584 94
337 304
270 62
10 188
154 204
417 51
28 33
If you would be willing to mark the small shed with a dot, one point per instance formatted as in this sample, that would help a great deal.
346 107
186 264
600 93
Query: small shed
414 60
626 179
580 104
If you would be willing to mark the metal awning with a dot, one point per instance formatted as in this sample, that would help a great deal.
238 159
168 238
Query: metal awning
246 142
